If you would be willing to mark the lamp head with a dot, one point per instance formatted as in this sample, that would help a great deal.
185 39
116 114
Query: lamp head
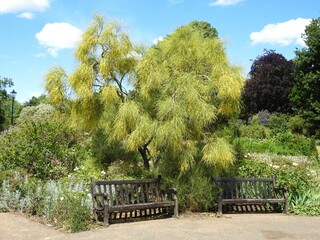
13 93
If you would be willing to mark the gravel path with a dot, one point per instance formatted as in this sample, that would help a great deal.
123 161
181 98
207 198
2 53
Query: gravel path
198 226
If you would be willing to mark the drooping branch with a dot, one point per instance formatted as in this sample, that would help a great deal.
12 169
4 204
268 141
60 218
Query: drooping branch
121 91
144 151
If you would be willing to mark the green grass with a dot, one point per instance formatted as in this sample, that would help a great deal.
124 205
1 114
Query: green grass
272 145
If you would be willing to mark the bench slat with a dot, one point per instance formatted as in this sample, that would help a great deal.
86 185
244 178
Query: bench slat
120 194
227 179
246 190
111 196
147 192
157 194
253 201
142 193
141 206
115 182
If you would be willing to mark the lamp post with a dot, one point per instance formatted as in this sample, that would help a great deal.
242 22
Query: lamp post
13 95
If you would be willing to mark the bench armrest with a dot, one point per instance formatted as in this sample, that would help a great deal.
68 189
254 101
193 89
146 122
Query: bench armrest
98 195
100 200
283 191
172 192
169 191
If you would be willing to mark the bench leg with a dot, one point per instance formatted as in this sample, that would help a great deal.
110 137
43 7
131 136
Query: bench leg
106 216
285 210
95 215
220 208
176 212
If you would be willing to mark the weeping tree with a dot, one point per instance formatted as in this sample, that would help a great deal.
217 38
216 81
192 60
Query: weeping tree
95 90
184 84
181 87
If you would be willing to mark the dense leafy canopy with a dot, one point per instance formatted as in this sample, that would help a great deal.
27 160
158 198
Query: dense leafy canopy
4 83
180 87
306 93
184 84
269 85
204 28
35 101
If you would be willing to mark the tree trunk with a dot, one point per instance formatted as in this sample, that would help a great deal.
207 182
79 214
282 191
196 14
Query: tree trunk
143 152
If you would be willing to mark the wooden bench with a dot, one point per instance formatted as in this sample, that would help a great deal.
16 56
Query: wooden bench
133 198
249 191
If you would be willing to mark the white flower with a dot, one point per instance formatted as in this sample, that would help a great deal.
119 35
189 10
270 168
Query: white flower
61 199
76 169
275 166
295 164
103 172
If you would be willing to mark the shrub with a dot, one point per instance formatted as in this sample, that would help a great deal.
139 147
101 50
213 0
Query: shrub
276 138
305 202
263 117
278 123
194 190
65 204
289 175
254 130
297 125
72 211
16 193
42 145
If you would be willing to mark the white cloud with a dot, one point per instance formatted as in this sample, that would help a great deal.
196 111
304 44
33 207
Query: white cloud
26 15
18 6
157 40
281 33
222 3
58 36
175 2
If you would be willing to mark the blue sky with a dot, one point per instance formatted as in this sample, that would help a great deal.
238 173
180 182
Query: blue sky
36 35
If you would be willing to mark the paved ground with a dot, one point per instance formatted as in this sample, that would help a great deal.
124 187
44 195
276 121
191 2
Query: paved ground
231 226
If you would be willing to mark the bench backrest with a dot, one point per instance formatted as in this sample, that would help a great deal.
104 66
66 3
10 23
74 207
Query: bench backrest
245 188
125 192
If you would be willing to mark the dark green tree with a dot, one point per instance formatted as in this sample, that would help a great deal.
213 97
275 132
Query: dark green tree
4 83
305 94
205 28
269 85
35 101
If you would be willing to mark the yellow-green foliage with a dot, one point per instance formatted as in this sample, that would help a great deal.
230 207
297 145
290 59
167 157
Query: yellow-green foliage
126 119
55 84
181 87
186 83
106 60
144 130
217 152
